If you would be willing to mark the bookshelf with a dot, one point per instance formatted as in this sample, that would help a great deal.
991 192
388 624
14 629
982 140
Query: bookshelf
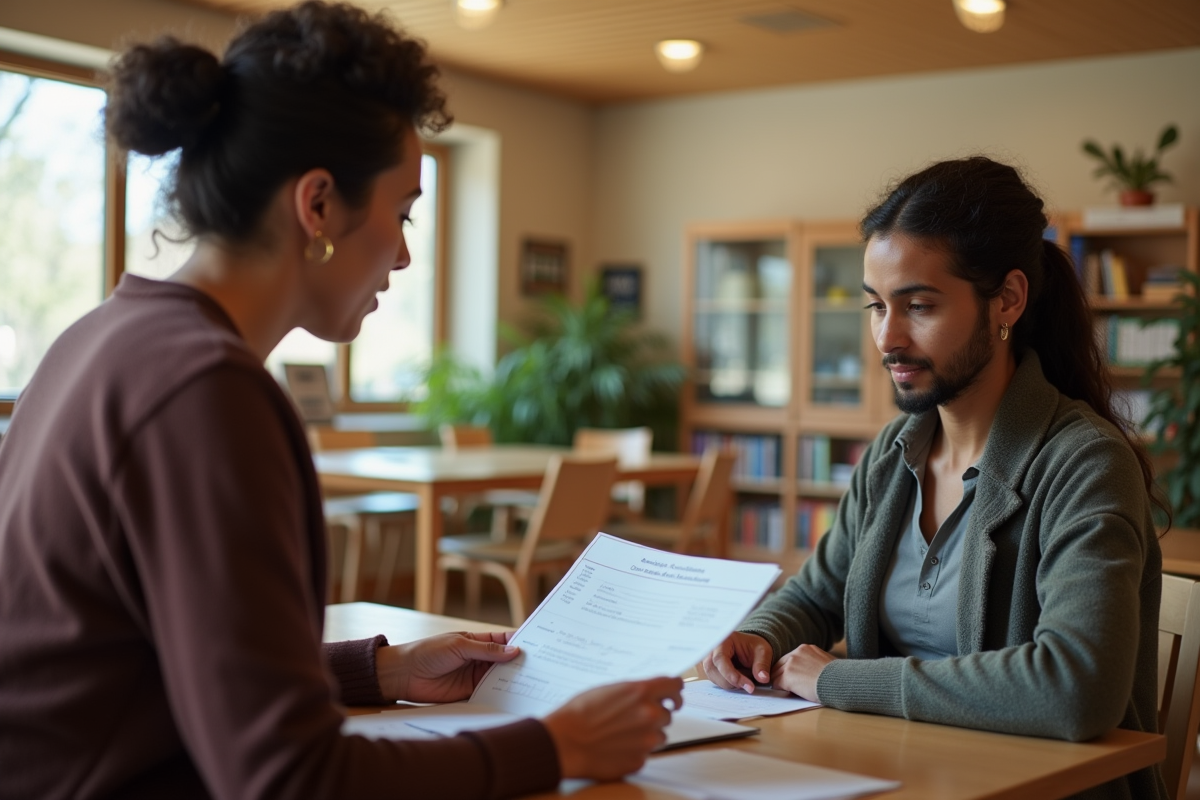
784 373
1124 257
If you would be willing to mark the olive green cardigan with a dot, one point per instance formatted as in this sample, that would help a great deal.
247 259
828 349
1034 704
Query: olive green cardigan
1058 596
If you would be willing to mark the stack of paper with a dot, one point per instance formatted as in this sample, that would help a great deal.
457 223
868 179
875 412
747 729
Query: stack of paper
737 775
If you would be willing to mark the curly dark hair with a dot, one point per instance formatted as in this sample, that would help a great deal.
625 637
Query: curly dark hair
319 85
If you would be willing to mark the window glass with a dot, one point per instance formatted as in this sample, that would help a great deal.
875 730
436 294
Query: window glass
52 161
154 242
396 343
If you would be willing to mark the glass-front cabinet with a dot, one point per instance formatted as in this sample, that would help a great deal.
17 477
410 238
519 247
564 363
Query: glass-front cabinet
783 373
741 321
840 381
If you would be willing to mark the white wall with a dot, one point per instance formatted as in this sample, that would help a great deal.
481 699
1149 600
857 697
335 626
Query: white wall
826 151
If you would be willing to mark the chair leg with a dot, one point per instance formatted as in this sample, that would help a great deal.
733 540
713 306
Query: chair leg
352 566
385 569
439 589
473 587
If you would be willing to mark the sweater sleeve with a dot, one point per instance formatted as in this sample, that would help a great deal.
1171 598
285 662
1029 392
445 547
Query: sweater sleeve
353 665
210 498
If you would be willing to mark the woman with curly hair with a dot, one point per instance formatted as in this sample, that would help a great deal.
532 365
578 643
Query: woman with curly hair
162 554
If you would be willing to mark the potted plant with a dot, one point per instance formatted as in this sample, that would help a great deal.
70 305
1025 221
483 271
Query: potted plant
1174 413
1134 175
583 367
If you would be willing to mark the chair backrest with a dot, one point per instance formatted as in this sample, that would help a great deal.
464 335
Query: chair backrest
1178 661
631 446
455 436
322 437
572 505
708 502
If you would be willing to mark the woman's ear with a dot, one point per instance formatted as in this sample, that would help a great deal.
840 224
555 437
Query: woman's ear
1014 294
312 198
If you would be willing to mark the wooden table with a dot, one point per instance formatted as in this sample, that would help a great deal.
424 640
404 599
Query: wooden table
433 473
1181 552
933 762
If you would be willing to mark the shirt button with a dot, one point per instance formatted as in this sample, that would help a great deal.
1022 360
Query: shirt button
933 560
925 585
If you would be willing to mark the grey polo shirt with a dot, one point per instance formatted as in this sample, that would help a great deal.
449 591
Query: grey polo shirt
918 607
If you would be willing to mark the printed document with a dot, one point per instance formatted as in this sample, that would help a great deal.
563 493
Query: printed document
623 612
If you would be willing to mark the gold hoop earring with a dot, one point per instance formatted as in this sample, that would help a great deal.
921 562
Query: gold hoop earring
319 250
1004 331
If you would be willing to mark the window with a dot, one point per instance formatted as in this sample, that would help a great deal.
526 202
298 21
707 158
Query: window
63 250
52 215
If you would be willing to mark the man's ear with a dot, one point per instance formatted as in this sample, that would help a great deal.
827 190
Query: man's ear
312 198
1014 295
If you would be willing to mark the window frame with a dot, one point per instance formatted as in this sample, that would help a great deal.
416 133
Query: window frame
114 224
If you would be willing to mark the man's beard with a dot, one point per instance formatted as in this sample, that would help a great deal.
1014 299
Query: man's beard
961 373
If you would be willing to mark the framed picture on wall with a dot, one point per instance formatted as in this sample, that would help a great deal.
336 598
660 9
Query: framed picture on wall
544 267
622 285
308 384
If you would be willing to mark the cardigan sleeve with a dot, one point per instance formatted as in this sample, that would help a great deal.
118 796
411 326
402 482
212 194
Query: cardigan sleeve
353 666
1089 517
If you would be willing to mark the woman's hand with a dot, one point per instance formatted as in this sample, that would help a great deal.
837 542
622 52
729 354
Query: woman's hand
797 672
607 732
724 666
440 669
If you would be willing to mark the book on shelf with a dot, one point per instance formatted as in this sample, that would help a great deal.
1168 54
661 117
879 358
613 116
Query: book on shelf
759 524
814 518
1162 284
757 454
1134 341
825 459
1115 275
1134 405
1166 215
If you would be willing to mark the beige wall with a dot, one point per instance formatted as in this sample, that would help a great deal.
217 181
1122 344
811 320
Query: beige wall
620 183
826 151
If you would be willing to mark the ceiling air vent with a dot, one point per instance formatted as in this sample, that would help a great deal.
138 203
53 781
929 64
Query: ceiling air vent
788 20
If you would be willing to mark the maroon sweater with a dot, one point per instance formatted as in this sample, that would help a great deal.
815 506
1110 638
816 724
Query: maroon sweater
162 568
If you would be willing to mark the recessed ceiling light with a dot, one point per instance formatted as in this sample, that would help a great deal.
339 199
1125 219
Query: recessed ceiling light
679 55
476 14
981 16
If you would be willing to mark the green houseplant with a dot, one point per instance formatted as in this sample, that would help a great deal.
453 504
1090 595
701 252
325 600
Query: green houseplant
1174 412
1135 174
581 366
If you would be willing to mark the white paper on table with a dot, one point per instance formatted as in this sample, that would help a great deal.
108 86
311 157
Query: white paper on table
382 726
622 612
706 699
738 775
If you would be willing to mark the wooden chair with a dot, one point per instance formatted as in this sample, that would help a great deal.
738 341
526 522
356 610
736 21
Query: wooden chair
456 436
378 525
703 518
631 446
508 505
1178 663
572 506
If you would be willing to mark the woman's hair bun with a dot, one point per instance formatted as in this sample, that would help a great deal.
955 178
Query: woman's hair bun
162 96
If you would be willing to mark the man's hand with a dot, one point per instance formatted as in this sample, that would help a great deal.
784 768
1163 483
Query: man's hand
741 651
797 672
607 732
440 669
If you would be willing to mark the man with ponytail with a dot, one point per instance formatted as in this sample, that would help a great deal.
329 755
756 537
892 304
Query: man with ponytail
994 563
162 550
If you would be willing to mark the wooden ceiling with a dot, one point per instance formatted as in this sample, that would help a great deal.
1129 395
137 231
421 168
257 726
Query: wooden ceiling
601 51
